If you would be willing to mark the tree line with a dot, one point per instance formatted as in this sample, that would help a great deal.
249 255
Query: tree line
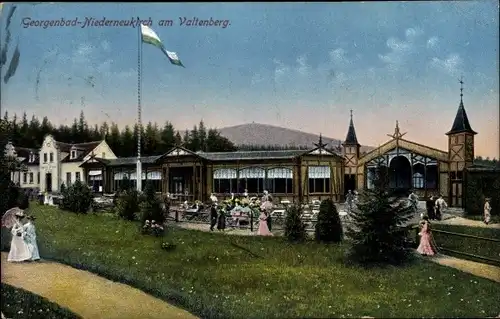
155 140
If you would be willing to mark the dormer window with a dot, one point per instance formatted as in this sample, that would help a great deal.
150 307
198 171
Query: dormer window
73 154
31 158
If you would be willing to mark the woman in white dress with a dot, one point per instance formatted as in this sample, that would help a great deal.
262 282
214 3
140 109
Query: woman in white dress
19 250
30 238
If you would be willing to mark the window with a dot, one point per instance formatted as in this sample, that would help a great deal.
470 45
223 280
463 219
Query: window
31 158
319 179
45 157
225 181
77 176
68 178
51 157
94 180
453 175
251 179
370 178
418 176
25 178
154 177
38 178
73 154
460 175
418 180
118 180
103 155
31 177
280 180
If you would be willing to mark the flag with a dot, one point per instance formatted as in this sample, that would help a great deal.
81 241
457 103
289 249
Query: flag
150 37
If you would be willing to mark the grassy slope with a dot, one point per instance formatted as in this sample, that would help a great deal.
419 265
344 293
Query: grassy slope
210 275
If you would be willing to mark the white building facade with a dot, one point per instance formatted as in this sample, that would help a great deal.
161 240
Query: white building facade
57 163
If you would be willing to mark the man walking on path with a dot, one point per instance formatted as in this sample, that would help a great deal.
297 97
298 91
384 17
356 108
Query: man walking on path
487 211
440 206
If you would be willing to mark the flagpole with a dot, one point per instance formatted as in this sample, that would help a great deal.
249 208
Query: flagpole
139 119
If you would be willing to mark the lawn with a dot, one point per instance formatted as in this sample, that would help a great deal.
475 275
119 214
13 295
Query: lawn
217 276
469 245
19 303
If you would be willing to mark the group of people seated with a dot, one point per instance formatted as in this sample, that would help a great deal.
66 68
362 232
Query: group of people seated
240 210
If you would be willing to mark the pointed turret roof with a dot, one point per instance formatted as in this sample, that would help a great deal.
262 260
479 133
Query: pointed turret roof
351 138
461 123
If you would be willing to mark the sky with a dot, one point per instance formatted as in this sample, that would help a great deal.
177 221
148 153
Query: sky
295 65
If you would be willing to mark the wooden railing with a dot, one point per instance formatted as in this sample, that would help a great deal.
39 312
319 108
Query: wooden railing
444 249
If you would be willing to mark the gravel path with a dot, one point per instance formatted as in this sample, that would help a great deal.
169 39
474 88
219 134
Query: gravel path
86 294
467 222
478 269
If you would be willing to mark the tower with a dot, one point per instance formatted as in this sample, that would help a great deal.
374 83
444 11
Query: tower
460 151
351 149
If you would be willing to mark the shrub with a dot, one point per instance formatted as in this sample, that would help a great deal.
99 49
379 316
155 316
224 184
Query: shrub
127 204
19 303
11 196
480 185
295 229
126 184
377 228
168 246
153 228
77 198
151 207
23 200
329 226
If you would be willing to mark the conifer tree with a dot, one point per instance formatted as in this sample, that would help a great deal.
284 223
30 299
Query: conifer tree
377 227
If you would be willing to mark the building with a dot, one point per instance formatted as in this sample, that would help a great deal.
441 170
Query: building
294 175
287 174
57 163
29 173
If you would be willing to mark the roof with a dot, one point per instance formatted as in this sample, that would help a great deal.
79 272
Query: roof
84 148
25 153
250 155
461 123
351 138
122 161
214 156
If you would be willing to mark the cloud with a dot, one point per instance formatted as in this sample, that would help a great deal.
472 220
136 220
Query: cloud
339 57
451 65
302 68
400 50
280 70
432 42
105 46
87 60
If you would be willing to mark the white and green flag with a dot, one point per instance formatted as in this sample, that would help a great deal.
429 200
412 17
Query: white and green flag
150 37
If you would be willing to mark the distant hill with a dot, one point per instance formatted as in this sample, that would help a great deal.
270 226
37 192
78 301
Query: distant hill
264 134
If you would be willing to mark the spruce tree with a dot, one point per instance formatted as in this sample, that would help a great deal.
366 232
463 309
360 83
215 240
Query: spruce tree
295 229
377 228
329 227
151 207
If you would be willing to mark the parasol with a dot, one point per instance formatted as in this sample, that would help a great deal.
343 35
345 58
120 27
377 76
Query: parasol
267 205
9 218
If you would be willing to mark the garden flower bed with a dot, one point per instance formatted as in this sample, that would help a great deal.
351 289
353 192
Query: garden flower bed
218 276
18 303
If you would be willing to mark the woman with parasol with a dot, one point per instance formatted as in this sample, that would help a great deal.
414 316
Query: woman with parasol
30 238
19 250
